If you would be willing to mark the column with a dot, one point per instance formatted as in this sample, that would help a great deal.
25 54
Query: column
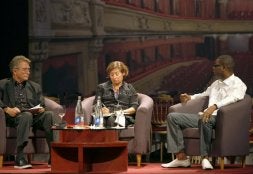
39 27
94 49
223 9
38 52
97 11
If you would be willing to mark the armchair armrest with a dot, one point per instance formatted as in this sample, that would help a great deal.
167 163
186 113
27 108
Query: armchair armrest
53 106
192 106
232 127
2 132
142 125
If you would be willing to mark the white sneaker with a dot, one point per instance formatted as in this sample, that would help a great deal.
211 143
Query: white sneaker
177 163
206 165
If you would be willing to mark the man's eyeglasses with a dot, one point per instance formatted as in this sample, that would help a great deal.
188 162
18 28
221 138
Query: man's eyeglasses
24 69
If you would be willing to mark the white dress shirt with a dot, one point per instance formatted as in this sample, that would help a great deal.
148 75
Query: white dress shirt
224 92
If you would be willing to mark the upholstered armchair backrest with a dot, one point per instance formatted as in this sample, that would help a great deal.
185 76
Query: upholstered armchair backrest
87 105
232 129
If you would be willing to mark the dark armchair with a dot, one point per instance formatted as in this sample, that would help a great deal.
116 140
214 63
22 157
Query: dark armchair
138 136
37 141
231 136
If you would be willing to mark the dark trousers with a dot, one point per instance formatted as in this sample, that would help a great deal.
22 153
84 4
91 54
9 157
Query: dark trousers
25 121
110 121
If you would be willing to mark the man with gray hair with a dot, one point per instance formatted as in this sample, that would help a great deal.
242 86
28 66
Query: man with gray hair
17 95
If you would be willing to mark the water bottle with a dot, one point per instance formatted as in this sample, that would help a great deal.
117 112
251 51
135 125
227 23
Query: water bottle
79 114
98 122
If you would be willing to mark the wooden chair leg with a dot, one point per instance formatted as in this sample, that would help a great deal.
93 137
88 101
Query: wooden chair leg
213 161
29 158
243 161
138 159
161 152
222 162
1 161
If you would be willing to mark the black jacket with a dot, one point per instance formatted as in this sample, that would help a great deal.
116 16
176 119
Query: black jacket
7 96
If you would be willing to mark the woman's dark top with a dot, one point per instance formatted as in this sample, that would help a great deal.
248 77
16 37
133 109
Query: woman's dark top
127 96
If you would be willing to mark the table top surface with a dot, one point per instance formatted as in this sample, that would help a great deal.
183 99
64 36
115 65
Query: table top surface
85 127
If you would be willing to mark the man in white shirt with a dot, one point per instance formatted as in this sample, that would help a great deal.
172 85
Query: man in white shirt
226 90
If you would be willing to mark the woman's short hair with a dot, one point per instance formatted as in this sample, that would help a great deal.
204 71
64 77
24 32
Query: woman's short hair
227 61
119 65
17 60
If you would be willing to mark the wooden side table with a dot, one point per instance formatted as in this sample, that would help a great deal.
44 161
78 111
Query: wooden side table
89 151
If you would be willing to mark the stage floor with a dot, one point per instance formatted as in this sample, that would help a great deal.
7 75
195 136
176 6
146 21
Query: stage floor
146 168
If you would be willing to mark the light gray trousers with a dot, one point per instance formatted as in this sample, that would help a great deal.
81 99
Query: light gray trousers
176 122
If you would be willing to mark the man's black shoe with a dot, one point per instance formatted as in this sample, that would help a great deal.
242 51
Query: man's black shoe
22 164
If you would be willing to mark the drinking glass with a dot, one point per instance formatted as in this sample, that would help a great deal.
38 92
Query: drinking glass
62 112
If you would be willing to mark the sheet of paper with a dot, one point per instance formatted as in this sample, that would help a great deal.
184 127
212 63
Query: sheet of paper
34 109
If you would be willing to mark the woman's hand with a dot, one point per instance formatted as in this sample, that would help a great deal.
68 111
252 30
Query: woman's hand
129 111
105 110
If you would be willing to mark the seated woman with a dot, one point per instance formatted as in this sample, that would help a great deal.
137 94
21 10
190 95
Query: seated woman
117 92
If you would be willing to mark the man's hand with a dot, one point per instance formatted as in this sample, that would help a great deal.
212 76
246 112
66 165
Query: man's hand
184 98
41 110
207 113
12 111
